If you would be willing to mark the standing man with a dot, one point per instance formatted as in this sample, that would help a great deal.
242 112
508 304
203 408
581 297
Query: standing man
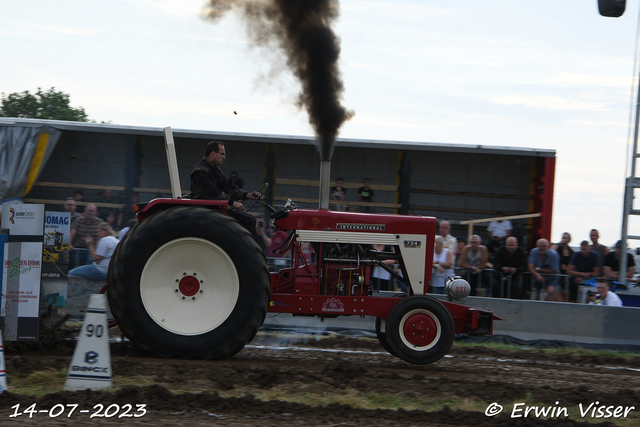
105 213
474 258
601 250
365 194
83 227
70 206
611 263
339 195
511 261
450 242
543 260
78 195
498 232
583 266
208 182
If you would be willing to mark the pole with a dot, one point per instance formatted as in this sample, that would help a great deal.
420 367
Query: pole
325 179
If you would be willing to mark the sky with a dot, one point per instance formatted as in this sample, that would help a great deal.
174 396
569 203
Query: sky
542 74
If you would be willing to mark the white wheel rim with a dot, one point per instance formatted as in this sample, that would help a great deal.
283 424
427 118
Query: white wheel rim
189 313
415 347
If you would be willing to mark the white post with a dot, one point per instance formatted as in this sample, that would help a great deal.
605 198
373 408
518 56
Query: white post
169 145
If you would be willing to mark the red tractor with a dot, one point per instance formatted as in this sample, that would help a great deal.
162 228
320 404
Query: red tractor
190 281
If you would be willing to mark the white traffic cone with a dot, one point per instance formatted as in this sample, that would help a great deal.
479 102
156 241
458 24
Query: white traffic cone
91 364
3 374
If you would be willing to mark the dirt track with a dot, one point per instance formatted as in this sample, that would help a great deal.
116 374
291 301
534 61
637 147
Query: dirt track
351 367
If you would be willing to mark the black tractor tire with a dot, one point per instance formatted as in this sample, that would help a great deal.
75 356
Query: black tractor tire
189 282
420 330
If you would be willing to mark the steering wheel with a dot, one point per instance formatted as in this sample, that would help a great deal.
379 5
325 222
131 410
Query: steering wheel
254 202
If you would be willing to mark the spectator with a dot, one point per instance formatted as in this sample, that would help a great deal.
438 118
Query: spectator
339 194
70 206
583 266
442 263
460 244
601 250
101 254
474 258
78 195
365 194
498 231
381 277
544 260
605 296
511 261
127 211
264 238
236 180
308 253
84 227
120 214
450 242
107 214
611 263
565 252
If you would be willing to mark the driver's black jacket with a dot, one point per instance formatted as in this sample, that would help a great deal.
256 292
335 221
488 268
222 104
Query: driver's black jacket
208 182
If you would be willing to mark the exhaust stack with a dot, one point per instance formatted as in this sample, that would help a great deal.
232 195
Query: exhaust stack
325 179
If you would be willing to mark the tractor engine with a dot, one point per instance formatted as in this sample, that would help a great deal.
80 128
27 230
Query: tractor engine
334 253
332 269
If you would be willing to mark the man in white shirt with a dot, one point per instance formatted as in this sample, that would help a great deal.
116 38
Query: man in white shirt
450 242
498 232
606 296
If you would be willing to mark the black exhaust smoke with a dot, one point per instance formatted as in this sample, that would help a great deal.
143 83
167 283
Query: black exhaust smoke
302 30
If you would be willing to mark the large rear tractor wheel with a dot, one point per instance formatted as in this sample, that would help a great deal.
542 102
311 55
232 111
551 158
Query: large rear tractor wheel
189 282
420 330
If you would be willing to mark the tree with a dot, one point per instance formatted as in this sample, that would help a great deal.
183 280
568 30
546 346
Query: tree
51 105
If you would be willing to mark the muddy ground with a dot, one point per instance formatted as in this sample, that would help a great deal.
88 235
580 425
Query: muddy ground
340 366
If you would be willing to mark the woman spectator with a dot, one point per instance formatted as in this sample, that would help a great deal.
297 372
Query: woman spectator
442 263
101 254
381 277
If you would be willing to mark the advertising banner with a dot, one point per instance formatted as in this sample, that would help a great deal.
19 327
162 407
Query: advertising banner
23 219
21 277
57 227
55 266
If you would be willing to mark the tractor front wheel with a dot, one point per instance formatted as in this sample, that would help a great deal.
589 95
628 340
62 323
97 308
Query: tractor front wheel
420 330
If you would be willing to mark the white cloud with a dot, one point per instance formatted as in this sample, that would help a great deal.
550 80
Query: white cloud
548 102
589 80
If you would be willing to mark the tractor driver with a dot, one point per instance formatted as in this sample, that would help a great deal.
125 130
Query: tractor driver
208 182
